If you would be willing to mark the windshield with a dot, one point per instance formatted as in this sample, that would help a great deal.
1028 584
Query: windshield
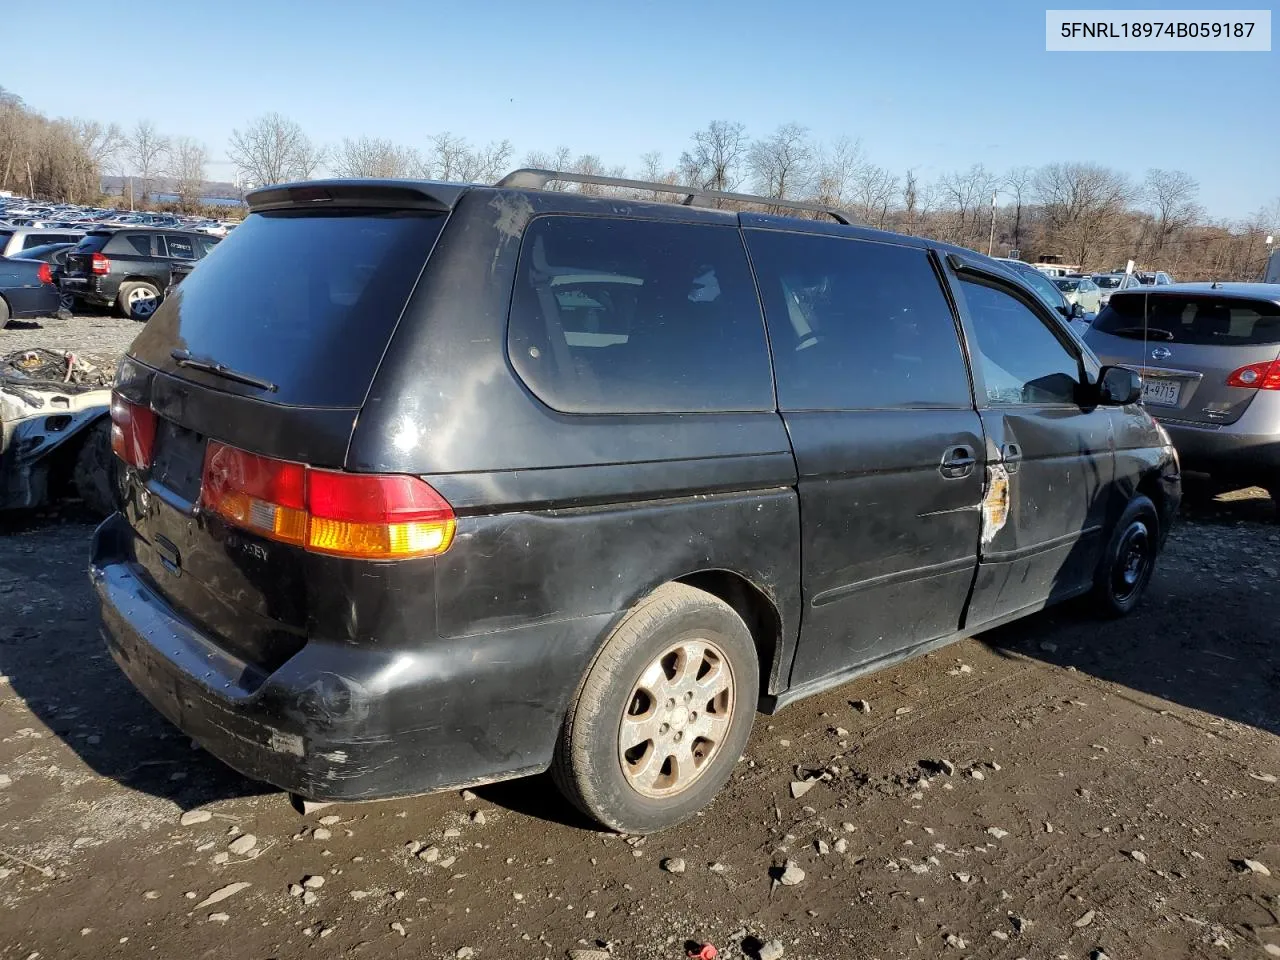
307 301
1192 319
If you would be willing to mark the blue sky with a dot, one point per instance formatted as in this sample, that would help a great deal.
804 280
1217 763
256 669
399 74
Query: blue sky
924 85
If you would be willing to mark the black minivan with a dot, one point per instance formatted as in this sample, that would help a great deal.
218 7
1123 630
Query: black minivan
428 485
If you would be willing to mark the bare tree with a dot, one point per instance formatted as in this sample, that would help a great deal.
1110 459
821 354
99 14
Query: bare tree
654 170
966 195
189 160
782 166
273 149
146 151
837 167
910 201
1171 196
559 159
453 158
373 157
100 142
1018 183
1083 206
873 191
714 161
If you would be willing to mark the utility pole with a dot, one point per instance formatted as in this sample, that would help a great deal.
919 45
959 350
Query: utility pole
991 243
31 184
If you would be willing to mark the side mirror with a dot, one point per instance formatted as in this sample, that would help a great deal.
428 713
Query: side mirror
1119 386
1077 312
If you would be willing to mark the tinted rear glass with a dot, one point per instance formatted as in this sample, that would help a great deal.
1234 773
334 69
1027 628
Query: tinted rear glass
4 237
1225 321
1108 283
139 243
307 301
93 243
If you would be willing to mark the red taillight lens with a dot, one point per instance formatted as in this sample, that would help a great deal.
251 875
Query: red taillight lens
350 515
99 264
255 492
45 274
1257 376
133 431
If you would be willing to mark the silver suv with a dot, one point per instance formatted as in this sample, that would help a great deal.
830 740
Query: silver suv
1209 355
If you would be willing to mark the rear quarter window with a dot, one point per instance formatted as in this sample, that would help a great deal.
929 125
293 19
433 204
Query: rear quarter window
1192 319
635 316
136 244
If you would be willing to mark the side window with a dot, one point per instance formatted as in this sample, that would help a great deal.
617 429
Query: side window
635 316
181 248
856 325
205 245
34 240
1022 362
140 243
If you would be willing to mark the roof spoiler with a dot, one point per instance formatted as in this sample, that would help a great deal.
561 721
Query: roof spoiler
316 194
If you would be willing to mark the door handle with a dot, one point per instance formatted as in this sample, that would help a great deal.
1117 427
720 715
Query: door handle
1011 453
957 462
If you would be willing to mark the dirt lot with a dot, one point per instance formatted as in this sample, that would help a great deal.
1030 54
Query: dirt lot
1058 788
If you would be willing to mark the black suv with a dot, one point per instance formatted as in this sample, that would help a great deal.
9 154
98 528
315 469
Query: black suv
428 485
129 268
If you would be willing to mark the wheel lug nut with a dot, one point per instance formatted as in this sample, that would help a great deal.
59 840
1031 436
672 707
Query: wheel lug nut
679 736
671 703
688 696
664 728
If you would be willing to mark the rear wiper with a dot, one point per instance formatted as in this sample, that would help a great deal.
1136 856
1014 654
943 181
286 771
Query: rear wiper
185 359
1143 331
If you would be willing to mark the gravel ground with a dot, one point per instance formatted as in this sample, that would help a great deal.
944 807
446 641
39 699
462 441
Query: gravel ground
98 336
1058 788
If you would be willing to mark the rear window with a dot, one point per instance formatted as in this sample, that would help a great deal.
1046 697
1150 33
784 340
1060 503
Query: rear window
1068 286
1108 283
636 316
1225 321
304 300
4 237
93 243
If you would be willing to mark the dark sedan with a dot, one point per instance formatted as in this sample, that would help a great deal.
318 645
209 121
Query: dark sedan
54 254
27 289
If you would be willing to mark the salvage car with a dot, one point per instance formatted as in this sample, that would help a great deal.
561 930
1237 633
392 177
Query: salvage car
54 431
130 268
428 485
27 289
1210 360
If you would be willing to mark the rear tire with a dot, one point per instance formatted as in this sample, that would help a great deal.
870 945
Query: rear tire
4 313
94 473
1129 560
138 300
662 715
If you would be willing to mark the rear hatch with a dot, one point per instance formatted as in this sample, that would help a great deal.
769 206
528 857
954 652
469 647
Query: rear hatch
270 347
79 264
1188 343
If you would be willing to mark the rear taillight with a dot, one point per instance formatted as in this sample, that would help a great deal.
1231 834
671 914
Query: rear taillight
45 274
1257 376
133 431
366 516
99 264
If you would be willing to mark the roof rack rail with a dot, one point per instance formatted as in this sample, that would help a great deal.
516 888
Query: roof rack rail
528 178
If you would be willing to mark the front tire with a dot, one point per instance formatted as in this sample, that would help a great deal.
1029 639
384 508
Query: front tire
662 715
1129 560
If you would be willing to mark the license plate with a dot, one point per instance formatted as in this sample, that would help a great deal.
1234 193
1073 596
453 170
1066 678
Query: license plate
1162 392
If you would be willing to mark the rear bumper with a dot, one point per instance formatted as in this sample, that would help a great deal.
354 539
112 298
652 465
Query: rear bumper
340 722
99 290
1230 452
32 302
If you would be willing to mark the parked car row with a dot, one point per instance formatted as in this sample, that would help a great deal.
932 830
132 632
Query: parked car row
21 212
